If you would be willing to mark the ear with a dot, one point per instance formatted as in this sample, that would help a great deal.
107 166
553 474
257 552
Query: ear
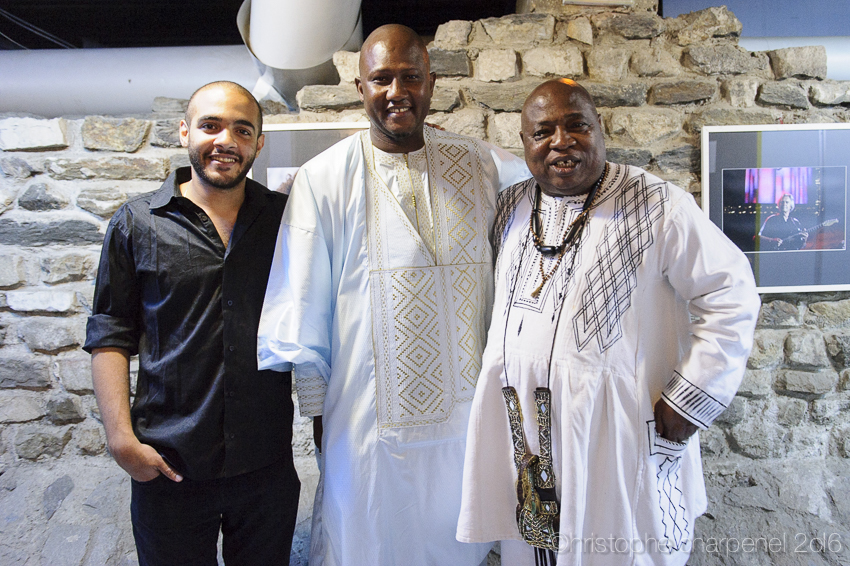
359 84
261 141
433 79
184 133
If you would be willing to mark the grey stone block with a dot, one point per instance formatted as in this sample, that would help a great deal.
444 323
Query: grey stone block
758 438
64 409
39 197
52 334
706 24
727 117
633 26
829 314
453 34
74 372
66 545
580 29
107 168
102 500
32 134
684 158
11 270
560 61
102 133
36 301
655 62
166 133
828 411
615 95
520 29
20 407
790 411
682 92
449 63
778 314
806 349
756 383
786 94
445 99
104 547
821 93
322 97
740 92
808 383
467 122
799 62
177 161
505 97
170 105
496 65
90 439
16 168
55 494
722 59
31 372
76 232
68 268
629 156
734 413
33 441
102 202
608 63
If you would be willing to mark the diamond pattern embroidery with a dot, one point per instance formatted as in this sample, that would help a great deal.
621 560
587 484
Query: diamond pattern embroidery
421 387
611 280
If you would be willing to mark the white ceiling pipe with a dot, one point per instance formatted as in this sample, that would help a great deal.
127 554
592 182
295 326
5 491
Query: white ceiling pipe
77 82
837 50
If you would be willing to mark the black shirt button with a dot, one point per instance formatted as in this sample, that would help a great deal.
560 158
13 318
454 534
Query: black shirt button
232 348
230 303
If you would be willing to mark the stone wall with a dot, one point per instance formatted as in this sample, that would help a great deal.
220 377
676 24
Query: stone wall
776 463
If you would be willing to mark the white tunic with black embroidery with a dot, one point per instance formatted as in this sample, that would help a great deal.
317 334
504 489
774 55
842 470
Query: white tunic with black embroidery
380 293
609 333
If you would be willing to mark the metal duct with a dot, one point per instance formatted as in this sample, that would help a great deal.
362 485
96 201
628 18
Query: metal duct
293 41
80 82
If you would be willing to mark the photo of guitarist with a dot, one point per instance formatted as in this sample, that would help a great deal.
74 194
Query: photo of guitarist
783 232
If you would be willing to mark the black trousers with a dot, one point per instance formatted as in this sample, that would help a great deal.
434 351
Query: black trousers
177 523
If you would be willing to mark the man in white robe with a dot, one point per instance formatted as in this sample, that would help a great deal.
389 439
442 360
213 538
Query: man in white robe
640 326
379 295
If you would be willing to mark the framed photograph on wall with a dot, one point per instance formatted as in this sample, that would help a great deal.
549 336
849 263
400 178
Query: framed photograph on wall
289 146
780 194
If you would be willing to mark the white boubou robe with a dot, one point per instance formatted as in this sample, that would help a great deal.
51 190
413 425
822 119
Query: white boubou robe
379 294
655 302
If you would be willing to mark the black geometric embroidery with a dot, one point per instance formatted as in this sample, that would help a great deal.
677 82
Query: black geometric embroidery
693 401
506 204
611 280
676 526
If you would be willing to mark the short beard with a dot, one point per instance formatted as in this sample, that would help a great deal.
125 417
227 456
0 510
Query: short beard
198 166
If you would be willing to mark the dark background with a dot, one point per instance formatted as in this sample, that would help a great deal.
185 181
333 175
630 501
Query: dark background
167 23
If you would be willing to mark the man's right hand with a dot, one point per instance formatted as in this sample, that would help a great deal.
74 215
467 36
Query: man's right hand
142 461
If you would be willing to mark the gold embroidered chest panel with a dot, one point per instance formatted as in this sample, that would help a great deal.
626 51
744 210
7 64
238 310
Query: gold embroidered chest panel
431 292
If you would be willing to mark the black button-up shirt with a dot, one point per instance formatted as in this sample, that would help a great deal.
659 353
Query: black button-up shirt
169 290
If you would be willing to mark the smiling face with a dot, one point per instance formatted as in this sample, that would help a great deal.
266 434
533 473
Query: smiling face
395 85
562 136
786 205
222 136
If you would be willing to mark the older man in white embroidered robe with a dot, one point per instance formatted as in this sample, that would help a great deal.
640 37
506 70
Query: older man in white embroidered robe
604 322
380 294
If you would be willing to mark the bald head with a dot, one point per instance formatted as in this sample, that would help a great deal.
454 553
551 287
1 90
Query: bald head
395 85
562 137
395 38
230 87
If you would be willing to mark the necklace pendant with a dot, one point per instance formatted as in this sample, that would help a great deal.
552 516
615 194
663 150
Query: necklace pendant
536 292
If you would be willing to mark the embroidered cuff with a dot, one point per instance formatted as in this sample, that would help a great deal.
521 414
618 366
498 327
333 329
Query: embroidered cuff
692 402
311 388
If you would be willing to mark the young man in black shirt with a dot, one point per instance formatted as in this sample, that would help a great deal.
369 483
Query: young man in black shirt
181 282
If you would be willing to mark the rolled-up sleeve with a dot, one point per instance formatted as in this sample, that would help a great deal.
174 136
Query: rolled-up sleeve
114 322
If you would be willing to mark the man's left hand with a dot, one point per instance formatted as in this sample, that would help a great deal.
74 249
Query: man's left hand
671 425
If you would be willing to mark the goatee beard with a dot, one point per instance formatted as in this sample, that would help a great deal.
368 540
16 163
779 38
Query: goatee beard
198 165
